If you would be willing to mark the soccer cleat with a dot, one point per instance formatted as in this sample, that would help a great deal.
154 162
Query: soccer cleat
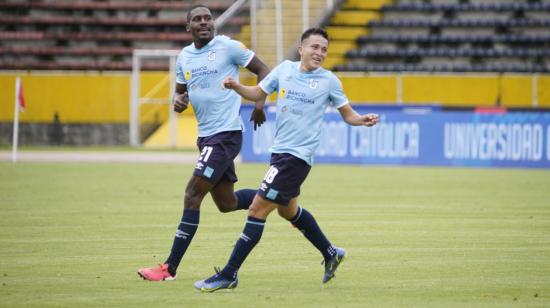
158 273
332 264
216 282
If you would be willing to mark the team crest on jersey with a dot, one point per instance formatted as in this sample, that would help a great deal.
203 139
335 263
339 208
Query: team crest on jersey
282 93
212 55
187 75
313 83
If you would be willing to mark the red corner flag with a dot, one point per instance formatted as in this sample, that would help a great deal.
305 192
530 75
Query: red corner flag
21 98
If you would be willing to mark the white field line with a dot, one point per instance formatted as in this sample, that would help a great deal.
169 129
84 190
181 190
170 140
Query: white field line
104 157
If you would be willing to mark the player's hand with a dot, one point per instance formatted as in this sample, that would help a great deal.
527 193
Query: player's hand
258 117
370 119
180 102
229 83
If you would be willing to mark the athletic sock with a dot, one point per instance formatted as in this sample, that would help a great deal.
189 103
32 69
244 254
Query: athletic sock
184 235
305 222
244 198
249 238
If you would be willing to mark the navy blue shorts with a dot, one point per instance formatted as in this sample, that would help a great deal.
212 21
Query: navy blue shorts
283 179
218 151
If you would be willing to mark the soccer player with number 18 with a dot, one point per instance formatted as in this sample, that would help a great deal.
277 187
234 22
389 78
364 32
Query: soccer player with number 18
305 90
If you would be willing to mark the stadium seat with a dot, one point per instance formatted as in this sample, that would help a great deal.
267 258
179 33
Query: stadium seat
440 68
453 35
81 65
75 51
95 36
507 38
483 7
460 23
448 52
89 34
103 21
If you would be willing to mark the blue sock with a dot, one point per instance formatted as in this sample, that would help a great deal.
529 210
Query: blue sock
249 238
184 235
244 198
305 222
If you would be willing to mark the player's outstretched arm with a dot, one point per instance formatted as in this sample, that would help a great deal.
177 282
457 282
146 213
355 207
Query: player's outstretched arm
351 117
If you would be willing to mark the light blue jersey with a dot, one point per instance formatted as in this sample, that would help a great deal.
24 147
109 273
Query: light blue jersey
203 71
302 98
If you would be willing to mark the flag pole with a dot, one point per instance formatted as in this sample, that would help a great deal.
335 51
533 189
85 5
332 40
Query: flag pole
15 120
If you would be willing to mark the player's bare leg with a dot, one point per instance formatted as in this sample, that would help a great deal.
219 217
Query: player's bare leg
228 200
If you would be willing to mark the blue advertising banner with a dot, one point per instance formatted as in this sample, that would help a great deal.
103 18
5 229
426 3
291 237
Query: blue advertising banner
421 136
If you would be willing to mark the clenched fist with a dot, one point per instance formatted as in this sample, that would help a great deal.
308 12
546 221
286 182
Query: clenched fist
229 83
180 102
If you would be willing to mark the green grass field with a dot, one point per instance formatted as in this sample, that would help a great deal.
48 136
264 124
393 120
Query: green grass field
75 234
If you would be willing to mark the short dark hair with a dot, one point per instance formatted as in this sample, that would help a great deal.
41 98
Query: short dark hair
314 31
191 10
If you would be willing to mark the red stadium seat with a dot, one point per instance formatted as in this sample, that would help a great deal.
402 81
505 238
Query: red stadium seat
95 35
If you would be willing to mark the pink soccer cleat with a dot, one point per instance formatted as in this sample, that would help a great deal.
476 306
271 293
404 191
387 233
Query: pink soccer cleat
157 273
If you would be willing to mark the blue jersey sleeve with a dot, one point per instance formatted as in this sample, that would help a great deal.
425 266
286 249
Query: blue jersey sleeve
239 53
270 83
180 78
337 96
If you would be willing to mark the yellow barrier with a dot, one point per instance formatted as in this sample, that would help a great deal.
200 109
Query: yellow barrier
104 97
456 90
82 98
75 97
516 91
543 91
450 90
379 89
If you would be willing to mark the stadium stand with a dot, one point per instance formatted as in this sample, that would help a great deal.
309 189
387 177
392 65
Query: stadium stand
292 27
447 36
93 34
437 62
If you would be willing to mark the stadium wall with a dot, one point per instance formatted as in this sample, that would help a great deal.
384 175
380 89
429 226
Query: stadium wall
452 90
79 108
97 101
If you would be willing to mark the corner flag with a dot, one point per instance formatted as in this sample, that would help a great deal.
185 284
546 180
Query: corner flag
19 106
21 97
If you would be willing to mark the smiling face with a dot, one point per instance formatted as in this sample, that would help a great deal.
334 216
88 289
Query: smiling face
313 52
201 26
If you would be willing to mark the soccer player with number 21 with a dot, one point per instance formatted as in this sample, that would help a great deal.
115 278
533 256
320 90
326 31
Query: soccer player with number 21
200 69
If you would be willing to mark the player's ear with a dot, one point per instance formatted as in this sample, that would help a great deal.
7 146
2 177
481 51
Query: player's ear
300 50
187 27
